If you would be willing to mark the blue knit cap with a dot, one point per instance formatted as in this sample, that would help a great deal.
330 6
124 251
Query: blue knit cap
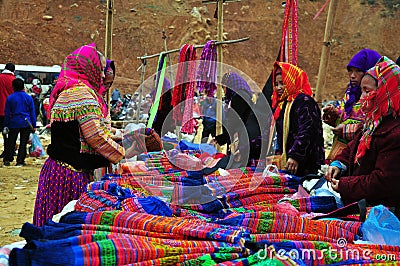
364 59
398 61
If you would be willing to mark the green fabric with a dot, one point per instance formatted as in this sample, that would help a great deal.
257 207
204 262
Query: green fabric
156 103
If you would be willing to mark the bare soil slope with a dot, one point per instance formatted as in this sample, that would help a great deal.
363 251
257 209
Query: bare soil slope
27 37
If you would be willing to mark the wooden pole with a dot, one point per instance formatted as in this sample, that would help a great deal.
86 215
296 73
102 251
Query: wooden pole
219 76
108 40
171 81
196 46
144 63
326 49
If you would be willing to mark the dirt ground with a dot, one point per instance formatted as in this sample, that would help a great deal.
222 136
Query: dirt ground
18 186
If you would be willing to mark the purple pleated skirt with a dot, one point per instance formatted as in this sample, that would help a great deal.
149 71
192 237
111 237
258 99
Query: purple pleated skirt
57 186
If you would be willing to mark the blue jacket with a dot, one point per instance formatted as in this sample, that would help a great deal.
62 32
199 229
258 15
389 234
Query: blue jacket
19 106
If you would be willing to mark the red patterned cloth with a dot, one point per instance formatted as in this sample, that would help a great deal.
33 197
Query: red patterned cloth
182 97
382 102
295 82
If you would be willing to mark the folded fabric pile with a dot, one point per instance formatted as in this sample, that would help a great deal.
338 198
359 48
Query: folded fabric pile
208 220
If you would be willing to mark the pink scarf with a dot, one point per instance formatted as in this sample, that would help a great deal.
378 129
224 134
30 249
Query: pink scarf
82 66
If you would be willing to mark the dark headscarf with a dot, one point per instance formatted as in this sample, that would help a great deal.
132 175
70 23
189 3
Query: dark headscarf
363 60
108 70
234 83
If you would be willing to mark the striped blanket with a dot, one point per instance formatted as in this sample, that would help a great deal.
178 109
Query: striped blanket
130 220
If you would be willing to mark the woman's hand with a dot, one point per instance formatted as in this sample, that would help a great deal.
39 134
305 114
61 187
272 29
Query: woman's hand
330 115
335 184
131 151
292 166
117 134
332 173
338 131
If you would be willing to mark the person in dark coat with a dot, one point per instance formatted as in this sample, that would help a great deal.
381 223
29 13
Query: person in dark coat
368 167
238 104
19 119
164 109
298 121
208 109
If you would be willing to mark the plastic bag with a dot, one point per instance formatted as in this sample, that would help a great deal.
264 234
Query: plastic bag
36 149
381 227
271 170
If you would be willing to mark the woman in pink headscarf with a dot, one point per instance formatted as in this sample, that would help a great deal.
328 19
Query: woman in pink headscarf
80 139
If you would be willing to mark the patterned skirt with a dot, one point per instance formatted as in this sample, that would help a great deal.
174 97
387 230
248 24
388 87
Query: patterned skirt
58 184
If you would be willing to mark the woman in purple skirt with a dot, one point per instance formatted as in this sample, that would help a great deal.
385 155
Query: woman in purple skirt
80 138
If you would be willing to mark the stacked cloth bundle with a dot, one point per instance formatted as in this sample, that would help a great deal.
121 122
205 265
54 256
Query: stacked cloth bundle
216 219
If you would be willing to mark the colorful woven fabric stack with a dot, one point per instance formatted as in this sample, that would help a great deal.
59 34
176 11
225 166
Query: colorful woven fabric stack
161 164
102 247
208 220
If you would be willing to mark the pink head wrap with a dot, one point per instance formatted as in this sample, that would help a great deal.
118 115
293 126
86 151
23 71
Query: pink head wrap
82 66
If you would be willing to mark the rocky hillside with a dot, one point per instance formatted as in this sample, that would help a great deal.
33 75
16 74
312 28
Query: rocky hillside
43 32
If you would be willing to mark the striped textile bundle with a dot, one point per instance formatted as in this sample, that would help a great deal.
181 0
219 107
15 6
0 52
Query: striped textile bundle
351 226
156 180
318 204
183 259
158 163
52 230
313 204
269 222
98 200
184 84
130 183
149 185
271 258
323 253
119 249
247 197
254 238
244 178
194 228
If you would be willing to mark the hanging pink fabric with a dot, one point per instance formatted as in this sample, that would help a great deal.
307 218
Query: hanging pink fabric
184 89
289 43
207 69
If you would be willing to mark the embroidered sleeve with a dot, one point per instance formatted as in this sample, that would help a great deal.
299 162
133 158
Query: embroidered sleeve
349 131
80 104
98 137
